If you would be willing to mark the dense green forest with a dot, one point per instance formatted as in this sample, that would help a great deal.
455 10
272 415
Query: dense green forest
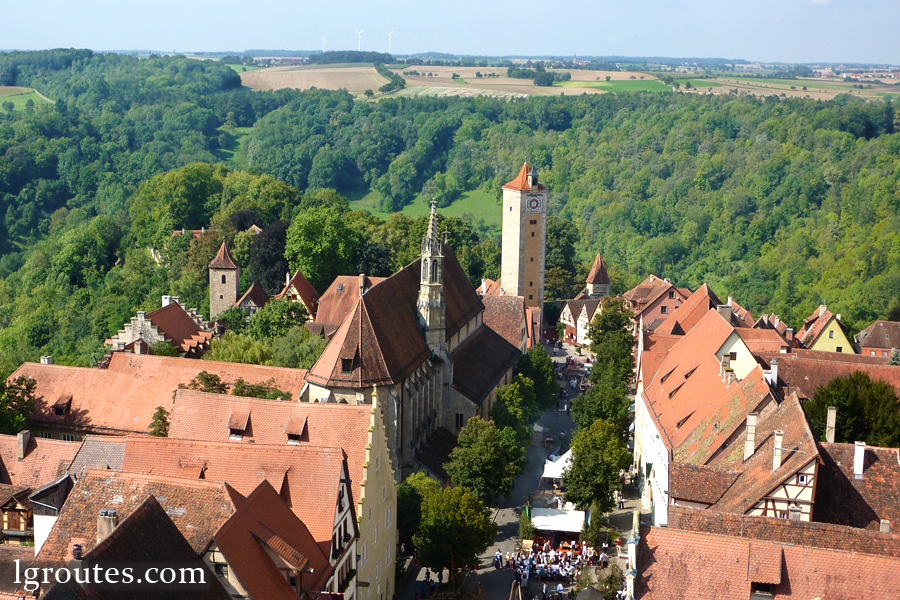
782 203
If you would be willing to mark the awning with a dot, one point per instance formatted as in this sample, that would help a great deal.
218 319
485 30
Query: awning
552 519
554 469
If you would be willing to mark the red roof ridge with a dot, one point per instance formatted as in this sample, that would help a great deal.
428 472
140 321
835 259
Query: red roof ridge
223 259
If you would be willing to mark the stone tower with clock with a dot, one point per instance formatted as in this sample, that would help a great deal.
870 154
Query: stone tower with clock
524 237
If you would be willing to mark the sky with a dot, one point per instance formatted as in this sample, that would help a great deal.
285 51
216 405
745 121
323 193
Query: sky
794 31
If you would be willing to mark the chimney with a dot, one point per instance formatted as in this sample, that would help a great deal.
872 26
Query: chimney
838 316
652 278
362 285
724 311
729 303
166 300
47 359
141 315
885 526
287 279
76 551
822 309
773 370
483 286
23 437
176 299
137 346
750 438
829 427
726 363
730 378
789 334
106 523
794 513
776 451
859 458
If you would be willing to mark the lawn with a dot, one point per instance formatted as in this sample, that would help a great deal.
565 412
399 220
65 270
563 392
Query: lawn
242 68
476 205
234 150
636 85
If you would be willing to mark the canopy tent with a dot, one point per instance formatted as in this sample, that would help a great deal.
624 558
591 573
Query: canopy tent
553 469
552 519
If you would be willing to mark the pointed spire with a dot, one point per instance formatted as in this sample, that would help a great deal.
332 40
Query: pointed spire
598 274
223 259
431 242
432 220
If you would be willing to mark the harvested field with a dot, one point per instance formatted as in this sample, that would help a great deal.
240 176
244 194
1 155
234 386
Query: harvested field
815 89
441 83
355 79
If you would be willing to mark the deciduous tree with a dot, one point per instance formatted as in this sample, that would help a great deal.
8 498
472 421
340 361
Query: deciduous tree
482 461
598 453
16 403
867 410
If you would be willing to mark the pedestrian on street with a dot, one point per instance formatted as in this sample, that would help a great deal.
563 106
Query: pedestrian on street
545 591
559 590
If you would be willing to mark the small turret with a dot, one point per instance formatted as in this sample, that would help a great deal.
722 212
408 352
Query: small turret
431 284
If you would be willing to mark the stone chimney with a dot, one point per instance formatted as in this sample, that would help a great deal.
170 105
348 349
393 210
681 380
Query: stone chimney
106 523
859 459
287 279
47 359
726 363
795 513
166 300
138 345
23 437
773 371
829 427
362 285
776 451
483 286
822 309
725 311
885 526
789 334
176 299
730 377
750 437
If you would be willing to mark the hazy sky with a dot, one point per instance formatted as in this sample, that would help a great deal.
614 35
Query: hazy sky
766 30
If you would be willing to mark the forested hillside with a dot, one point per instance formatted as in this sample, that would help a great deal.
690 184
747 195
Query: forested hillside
781 203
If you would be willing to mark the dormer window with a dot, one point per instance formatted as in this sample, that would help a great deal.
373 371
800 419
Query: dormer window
762 591
346 365
293 439
63 405
238 421
236 434
340 286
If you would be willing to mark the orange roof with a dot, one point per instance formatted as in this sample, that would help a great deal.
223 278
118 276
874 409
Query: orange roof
123 397
763 340
223 259
648 291
678 564
520 183
814 325
683 318
178 327
45 460
339 299
255 294
308 478
491 288
262 522
883 335
506 316
300 286
201 416
805 371
598 274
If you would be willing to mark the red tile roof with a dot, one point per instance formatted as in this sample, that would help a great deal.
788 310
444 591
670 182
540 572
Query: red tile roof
98 452
787 531
339 299
696 483
858 502
490 288
883 335
9 569
299 287
262 520
480 363
179 328
254 295
198 508
814 325
648 291
520 183
680 565
204 417
686 316
506 316
223 259
805 372
306 477
762 340
45 460
123 397
598 274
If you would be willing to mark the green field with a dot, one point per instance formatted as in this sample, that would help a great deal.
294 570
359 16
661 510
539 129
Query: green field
242 68
798 83
20 96
477 204
234 150
636 85
700 83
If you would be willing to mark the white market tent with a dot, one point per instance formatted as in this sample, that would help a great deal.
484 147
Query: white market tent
552 519
554 469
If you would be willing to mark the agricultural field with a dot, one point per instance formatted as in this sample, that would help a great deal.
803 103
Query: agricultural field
354 78
815 88
243 68
652 85
20 96
475 205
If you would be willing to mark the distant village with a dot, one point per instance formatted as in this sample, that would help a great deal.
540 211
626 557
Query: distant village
296 497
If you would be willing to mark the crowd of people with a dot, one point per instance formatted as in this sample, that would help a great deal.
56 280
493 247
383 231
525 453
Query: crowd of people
550 565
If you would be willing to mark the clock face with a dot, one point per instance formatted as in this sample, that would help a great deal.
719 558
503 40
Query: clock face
534 203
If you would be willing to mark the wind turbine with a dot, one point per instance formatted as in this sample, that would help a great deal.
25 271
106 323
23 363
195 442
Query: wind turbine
323 43
390 33
359 42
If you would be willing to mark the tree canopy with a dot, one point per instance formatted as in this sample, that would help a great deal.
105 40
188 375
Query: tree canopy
598 453
485 460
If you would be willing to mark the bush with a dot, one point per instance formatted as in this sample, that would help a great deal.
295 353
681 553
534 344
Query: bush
526 526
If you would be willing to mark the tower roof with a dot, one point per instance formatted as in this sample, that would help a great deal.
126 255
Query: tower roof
431 241
598 274
520 183
223 259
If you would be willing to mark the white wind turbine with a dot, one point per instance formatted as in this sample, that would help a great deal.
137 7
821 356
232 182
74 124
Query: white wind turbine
390 33
323 43
359 42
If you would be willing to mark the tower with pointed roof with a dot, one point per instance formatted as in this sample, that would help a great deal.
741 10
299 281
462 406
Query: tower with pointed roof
598 279
430 304
224 282
524 237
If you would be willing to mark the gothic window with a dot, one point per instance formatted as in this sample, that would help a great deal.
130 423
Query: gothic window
223 279
434 269
426 269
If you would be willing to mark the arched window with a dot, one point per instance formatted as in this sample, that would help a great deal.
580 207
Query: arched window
425 277
434 272
223 279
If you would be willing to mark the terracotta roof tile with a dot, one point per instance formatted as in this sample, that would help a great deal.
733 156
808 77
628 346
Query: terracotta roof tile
307 477
506 316
490 288
8 555
198 508
680 565
762 340
98 452
480 362
880 334
858 502
254 295
339 299
299 287
805 371
107 400
223 259
520 183
45 460
814 325
204 417
178 327
695 483
598 274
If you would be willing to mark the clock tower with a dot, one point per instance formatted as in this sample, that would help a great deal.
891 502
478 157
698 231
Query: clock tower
524 237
